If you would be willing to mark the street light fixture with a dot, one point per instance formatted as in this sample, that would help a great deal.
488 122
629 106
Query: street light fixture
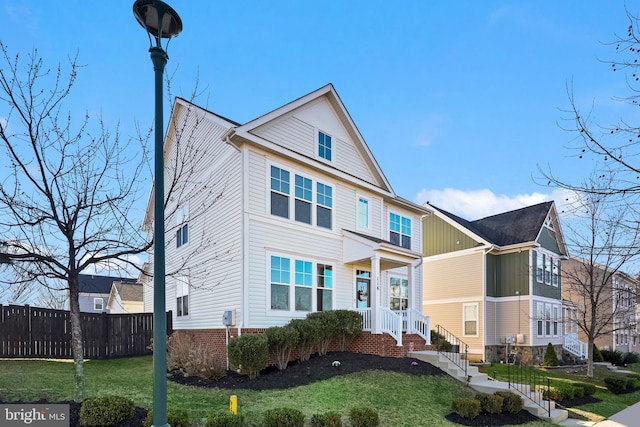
161 22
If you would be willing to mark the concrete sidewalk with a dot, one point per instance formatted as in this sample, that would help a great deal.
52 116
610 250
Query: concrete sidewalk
629 417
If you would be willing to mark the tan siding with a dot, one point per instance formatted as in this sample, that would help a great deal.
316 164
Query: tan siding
449 316
462 273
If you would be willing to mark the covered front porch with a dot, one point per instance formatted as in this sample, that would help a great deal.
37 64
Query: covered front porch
571 343
387 286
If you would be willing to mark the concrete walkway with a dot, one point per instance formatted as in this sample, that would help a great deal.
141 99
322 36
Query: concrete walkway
629 417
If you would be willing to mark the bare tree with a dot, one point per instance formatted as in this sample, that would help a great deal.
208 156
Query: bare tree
602 242
67 201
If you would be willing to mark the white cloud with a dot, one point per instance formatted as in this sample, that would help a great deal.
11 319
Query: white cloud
476 204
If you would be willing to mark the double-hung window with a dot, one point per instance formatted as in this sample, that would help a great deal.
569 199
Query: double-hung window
400 230
547 270
547 319
98 304
324 146
280 282
470 319
279 192
325 203
540 317
539 267
304 283
182 223
309 285
399 299
324 279
556 319
304 199
182 296
555 271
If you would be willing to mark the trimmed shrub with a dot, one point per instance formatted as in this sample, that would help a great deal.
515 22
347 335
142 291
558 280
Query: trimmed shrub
223 419
329 419
329 328
191 358
364 417
630 358
282 340
511 402
283 417
350 326
597 355
106 411
440 342
490 403
589 389
616 385
309 335
466 407
634 380
612 356
631 382
578 391
250 352
550 356
175 418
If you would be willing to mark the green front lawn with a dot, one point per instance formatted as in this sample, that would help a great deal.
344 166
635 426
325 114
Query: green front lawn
401 399
611 403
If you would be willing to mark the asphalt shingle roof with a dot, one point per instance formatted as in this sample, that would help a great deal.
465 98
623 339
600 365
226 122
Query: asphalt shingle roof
508 228
99 284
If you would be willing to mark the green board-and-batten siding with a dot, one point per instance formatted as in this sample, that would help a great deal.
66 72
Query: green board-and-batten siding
548 240
440 237
507 274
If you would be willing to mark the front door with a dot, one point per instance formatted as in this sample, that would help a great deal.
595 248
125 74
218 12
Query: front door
363 289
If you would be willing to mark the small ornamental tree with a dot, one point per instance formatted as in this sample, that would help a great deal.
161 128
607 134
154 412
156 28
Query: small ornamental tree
282 340
550 357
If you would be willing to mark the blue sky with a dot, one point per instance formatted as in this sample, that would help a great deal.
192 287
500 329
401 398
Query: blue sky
459 101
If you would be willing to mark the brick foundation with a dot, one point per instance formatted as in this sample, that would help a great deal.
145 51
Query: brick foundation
366 342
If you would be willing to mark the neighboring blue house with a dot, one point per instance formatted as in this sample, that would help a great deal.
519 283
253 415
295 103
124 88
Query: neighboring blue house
95 290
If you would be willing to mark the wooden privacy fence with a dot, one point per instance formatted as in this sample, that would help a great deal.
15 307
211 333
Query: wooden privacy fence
41 332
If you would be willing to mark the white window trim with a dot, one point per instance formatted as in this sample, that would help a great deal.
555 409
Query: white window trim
477 320
316 146
358 226
292 197
400 277
401 215
292 284
182 283
95 303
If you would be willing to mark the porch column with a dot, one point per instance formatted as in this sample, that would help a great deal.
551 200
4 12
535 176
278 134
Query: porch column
375 294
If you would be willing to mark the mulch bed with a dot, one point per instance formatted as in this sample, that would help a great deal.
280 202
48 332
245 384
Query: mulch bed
577 401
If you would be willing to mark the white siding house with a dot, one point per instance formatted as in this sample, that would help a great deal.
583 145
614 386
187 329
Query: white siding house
287 214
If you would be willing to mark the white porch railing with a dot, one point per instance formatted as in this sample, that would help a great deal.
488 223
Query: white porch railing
391 323
573 345
395 323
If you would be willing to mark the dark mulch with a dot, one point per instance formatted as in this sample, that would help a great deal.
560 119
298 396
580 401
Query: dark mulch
317 368
486 419
577 401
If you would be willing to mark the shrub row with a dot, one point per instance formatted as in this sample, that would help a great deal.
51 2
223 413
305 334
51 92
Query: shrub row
620 384
615 357
565 391
250 353
502 401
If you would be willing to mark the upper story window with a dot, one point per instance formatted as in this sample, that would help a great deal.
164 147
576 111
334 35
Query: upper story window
400 230
324 146
547 269
325 204
308 207
279 192
304 198
182 222
311 289
363 213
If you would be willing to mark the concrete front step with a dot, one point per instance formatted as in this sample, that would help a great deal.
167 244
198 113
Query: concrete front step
481 383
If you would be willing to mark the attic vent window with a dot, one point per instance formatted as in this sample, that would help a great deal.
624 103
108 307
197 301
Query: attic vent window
324 146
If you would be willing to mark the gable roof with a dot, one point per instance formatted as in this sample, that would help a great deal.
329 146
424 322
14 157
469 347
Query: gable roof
245 132
128 291
95 284
508 228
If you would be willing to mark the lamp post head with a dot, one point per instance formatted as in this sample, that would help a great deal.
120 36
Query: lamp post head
158 18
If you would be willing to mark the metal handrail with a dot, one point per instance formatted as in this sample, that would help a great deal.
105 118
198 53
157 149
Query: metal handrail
530 383
453 348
